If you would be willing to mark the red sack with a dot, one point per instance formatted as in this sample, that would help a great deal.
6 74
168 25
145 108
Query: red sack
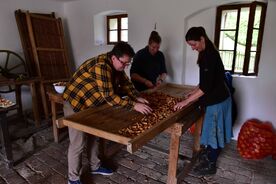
256 140
192 129
274 149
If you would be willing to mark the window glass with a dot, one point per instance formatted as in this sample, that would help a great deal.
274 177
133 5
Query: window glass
227 59
124 35
243 26
113 24
124 23
240 54
238 36
241 42
113 36
229 19
227 40
117 28
254 42
257 17
252 62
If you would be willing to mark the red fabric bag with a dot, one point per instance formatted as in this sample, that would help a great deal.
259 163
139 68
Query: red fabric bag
256 140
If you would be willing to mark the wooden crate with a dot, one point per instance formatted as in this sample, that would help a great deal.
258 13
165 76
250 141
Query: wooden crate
45 50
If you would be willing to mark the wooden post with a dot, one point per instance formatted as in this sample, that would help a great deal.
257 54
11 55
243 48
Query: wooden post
55 98
34 104
176 132
54 117
5 139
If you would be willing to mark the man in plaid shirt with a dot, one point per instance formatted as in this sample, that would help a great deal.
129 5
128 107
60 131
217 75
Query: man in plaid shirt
98 80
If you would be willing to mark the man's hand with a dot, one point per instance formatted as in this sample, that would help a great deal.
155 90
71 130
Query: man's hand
149 84
142 100
142 108
159 82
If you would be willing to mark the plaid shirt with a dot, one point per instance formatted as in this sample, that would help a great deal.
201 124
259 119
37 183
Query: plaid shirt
96 82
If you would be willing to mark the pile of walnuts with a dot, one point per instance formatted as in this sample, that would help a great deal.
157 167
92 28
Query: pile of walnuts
162 106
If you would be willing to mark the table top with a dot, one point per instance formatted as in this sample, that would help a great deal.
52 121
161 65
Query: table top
105 121
5 110
5 81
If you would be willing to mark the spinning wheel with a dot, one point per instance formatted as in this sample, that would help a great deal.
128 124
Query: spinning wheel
12 66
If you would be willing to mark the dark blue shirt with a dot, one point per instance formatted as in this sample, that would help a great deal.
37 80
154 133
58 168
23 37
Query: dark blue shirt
147 66
211 80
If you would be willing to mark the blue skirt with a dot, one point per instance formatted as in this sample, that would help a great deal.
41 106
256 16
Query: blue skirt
217 125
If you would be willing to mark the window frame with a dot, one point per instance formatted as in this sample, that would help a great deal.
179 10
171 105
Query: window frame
119 30
252 7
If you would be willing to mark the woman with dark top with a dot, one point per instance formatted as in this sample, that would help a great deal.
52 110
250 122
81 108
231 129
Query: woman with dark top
215 100
148 69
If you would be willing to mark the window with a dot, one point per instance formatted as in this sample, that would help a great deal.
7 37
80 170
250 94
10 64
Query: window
117 28
238 36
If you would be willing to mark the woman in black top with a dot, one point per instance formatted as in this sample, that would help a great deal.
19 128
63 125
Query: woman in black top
214 97
148 69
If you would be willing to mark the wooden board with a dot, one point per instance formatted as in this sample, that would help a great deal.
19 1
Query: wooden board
106 121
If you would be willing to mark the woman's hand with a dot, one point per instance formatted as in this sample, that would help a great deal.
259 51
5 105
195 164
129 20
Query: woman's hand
142 108
181 104
187 95
142 100
159 82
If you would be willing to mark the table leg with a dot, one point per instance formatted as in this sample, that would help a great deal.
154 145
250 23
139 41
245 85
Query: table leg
5 137
173 158
18 99
54 118
34 105
44 101
198 127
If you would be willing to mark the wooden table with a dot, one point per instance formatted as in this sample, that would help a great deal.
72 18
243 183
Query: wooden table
105 122
4 130
18 83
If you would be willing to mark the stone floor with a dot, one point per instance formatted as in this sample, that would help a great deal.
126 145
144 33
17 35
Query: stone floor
47 163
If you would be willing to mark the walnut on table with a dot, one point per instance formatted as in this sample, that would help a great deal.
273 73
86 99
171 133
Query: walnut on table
162 106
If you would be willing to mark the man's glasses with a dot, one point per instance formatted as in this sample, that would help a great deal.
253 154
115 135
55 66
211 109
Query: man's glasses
124 63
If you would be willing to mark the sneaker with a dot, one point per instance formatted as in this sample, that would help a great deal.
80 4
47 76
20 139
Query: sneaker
103 171
74 182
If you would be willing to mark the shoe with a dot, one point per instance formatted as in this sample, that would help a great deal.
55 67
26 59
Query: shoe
205 168
203 155
103 171
74 182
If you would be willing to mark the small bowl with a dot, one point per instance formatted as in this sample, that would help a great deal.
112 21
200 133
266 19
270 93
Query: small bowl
59 89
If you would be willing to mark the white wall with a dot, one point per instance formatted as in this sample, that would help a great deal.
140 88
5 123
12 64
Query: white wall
256 96
9 36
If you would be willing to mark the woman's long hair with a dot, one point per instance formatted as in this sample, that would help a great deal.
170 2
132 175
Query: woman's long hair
195 34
